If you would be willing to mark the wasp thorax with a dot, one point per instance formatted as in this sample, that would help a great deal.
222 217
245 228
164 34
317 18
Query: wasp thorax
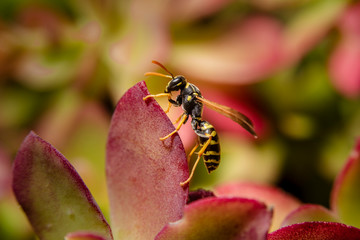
177 83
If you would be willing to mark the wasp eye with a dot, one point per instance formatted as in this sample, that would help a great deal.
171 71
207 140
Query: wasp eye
176 83
181 78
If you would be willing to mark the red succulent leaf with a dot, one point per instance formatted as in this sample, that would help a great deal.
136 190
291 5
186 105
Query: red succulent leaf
310 213
83 236
52 194
316 231
143 172
220 218
282 202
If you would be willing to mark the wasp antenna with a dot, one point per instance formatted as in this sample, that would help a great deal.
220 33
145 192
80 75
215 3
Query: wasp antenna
157 74
163 67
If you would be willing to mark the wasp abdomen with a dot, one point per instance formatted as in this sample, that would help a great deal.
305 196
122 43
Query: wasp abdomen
211 154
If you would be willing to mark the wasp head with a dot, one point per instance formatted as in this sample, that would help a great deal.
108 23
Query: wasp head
177 83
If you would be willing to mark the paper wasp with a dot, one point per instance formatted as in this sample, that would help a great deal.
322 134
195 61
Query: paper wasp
192 102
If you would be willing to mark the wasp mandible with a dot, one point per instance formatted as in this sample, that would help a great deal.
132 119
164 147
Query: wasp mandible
192 102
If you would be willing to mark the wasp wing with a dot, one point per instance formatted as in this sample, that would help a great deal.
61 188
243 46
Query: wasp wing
234 115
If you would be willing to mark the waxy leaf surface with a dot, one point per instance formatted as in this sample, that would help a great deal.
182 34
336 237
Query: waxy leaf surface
220 218
143 172
345 197
316 231
52 194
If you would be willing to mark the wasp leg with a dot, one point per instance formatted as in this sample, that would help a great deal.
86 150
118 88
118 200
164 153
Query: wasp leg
161 95
202 150
192 152
168 108
184 118
177 120
158 95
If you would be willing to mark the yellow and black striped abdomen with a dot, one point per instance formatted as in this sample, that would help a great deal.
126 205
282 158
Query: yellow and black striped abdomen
211 154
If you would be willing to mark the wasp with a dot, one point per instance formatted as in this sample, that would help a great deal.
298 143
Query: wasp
192 102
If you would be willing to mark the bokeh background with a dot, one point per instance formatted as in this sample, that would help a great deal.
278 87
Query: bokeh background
293 67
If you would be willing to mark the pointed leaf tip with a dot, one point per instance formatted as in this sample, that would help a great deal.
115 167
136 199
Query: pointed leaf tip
143 172
220 218
52 194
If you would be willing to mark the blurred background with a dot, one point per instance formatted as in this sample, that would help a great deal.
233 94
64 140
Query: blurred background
293 67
